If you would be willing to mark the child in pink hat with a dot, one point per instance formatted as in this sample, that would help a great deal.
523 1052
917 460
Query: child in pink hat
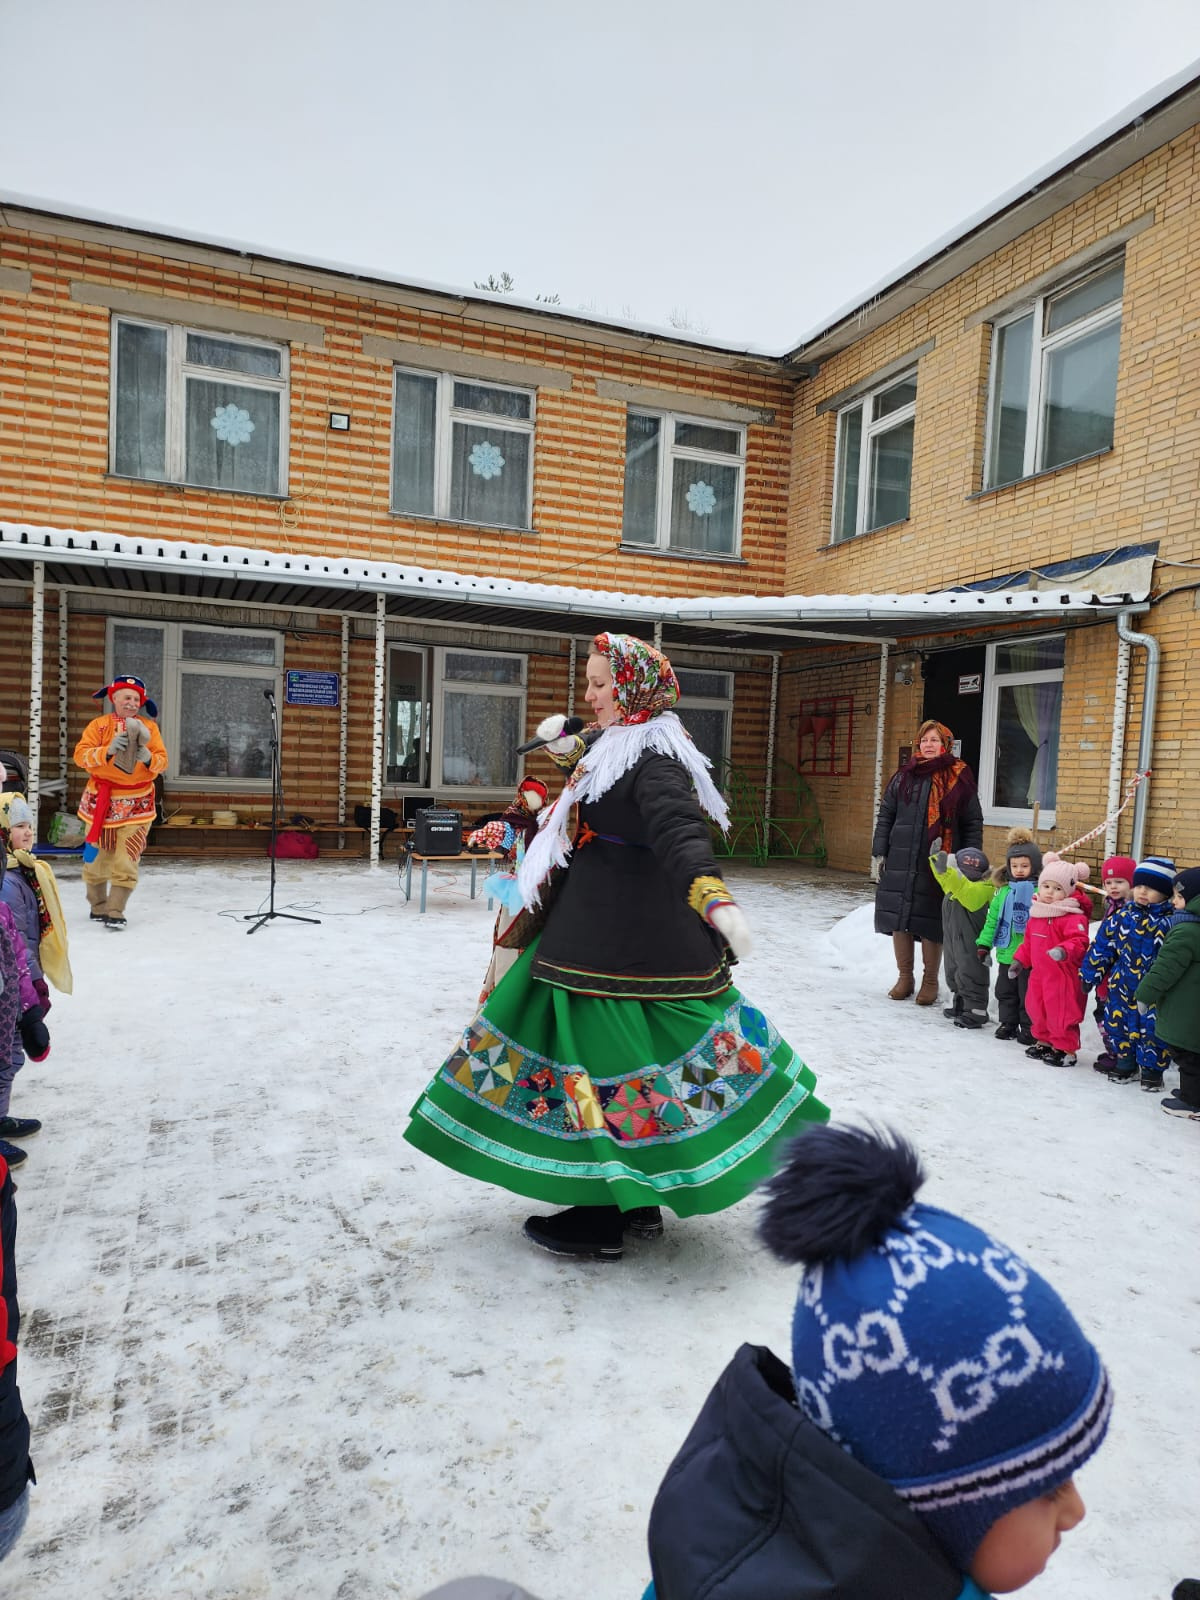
1055 943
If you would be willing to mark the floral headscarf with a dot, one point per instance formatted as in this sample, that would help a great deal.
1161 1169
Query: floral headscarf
644 682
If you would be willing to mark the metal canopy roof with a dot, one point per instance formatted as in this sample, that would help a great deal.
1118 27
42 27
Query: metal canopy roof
125 565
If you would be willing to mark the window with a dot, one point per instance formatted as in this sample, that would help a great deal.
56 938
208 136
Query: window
198 408
462 450
873 471
208 683
706 711
1054 377
1022 705
455 718
683 484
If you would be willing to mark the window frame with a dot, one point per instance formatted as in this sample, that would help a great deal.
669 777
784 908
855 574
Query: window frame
1043 345
872 428
435 685
446 414
169 695
705 702
993 681
668 454
178 371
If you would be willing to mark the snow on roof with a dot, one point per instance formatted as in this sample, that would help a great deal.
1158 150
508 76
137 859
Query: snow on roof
94 548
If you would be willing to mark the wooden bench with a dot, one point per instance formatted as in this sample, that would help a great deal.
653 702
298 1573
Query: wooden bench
244 838
473 856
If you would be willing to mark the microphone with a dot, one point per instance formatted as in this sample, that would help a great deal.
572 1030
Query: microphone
268 694
571 725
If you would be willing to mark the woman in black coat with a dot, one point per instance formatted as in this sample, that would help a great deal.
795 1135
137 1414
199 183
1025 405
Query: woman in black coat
930 804
615 1068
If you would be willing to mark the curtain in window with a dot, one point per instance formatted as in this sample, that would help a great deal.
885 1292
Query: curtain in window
1038 706
489 475
232 436
479 738
414 443
704 507
224 726
141 422
642 444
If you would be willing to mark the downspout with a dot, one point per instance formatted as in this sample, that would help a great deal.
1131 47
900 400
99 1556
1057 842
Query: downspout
880 729
1145 754
1116 755
572 659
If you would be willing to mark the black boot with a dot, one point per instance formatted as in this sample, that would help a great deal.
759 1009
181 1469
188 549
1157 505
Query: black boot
955 1010
643 1222
591 1232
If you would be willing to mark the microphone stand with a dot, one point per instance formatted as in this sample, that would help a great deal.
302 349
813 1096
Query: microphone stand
259 917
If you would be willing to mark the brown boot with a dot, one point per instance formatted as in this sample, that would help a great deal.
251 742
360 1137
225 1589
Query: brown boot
97 894
902 944
931 960
118 897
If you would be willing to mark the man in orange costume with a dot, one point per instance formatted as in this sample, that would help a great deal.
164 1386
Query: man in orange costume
122 754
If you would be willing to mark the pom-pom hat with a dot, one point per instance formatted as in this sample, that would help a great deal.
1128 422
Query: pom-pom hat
1156 872
935 1356
1068 873
127 680
1022 843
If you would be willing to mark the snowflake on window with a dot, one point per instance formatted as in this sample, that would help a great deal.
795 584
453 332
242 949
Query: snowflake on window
702 498
232 424
486 461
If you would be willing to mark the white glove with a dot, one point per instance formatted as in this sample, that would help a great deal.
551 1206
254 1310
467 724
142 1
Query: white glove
549 729
118 742
733 928
877 865
144 754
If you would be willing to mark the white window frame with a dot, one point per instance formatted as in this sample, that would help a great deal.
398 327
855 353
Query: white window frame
168 695
436 685
872 428
1043 346
669 452
446 415
993 682
704 702
178 370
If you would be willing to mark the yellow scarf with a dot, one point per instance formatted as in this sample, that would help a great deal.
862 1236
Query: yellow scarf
52 950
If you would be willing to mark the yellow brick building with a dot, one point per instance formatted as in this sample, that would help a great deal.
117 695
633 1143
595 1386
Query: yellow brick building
407 508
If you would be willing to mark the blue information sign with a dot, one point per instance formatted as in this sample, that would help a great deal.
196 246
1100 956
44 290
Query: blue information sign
312 689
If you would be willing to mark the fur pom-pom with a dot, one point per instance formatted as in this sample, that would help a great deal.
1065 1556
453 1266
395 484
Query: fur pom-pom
1019 836
837 1193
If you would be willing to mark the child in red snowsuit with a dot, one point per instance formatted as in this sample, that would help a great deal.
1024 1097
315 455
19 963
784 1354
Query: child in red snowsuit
1055 943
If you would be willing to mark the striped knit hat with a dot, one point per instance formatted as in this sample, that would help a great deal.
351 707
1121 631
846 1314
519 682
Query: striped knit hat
923 1346
1156 872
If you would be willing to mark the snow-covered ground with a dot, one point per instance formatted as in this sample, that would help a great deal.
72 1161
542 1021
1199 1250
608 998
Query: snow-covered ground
269 1350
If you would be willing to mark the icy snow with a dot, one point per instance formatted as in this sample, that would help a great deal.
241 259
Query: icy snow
269 1350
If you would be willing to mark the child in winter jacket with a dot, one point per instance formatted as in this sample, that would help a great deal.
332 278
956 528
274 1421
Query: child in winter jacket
1055 942
889 1461
1172 989
1004 929
968 889
16 1469
1116 884
22 1030
1125 945
30 891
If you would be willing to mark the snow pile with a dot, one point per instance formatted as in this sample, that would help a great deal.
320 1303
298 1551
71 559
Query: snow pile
270 1351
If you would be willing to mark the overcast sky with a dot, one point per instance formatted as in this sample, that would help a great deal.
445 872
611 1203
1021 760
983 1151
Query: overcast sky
752 165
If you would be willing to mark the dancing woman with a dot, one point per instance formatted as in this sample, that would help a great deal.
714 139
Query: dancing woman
616 1068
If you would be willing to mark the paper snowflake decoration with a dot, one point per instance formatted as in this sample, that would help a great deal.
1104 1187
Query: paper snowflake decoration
702 499
232 424
486 461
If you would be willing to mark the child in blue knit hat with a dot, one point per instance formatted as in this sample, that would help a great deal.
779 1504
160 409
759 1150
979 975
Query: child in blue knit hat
924 1445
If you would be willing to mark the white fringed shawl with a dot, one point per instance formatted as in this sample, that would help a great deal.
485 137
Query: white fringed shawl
604 763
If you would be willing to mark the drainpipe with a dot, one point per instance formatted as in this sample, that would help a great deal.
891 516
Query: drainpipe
1146 736
1116 755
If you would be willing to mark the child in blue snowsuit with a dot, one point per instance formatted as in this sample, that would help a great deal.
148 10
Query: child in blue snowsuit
1125 945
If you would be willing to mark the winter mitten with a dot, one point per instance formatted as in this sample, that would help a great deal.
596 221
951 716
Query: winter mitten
118 744
1057 954
143 754
982 953
941 861
35 1036
1143 1008
877 865
1013 969
42 989
549 728
733 928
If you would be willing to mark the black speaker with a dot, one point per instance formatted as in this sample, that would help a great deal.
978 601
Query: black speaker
437 833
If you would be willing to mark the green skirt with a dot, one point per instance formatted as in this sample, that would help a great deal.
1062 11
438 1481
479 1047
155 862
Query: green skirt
581 1100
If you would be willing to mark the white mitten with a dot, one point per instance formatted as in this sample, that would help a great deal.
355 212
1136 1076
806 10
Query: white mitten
733 928
549 729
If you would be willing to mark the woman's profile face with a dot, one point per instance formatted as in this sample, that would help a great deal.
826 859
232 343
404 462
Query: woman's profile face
600 695
931 744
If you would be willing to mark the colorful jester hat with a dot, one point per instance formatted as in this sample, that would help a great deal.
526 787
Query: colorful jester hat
644 681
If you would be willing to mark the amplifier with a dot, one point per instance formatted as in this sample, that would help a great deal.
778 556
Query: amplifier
437 833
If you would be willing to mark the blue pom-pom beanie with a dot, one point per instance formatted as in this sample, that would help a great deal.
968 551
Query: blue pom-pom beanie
936 1357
